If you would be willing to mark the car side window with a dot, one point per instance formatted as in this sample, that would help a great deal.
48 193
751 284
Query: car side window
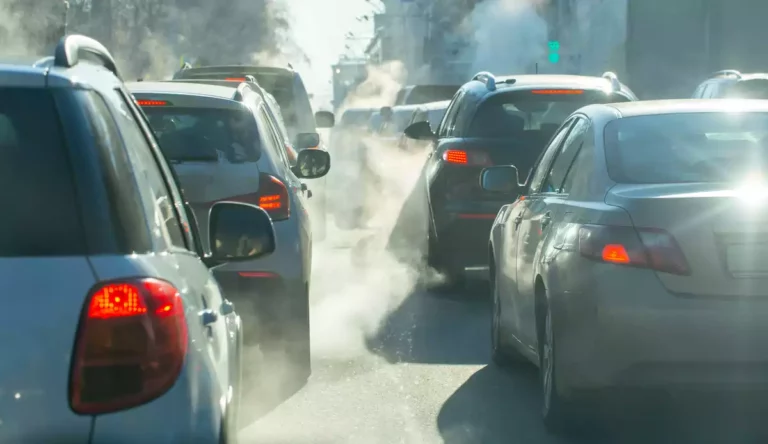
564 158
446 126
159 204
580 171
541 170
272 143
276 135
464 114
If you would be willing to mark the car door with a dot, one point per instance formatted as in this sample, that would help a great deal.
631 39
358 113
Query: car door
182 263
536 218
511 313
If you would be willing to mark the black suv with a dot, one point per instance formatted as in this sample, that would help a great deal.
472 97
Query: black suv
731 84
493 121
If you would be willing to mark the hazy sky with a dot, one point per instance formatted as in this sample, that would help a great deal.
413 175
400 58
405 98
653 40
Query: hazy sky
319 27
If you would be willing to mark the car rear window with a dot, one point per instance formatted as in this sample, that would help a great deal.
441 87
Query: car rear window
687 147
529 112
430 93
36 182
355 117
746 89
205 134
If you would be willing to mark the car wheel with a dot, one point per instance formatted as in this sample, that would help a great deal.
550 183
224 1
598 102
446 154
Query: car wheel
557 412
502 354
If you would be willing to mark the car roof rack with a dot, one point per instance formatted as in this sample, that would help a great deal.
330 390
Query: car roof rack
613 78
71 49
45 62
727 73
239 94
487 78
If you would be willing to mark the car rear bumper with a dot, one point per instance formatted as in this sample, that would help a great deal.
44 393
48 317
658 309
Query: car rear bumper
618 327
462 232
273 309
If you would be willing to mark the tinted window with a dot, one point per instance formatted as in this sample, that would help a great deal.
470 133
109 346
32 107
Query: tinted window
435 116
746 89
355 117
430 93
532 113
678 148
159 204
568 152
205 134
541 170
36 183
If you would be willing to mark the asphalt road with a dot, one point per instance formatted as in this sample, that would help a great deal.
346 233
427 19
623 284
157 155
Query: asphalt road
424 376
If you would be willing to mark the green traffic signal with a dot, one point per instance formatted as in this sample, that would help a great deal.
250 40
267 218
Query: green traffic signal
554 48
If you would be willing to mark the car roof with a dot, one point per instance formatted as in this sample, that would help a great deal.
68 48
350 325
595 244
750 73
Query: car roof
436 105
680 106
242 69
202 89
193 95
551 80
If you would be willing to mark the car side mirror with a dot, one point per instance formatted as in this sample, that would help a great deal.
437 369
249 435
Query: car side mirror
312 164
307 140
324 119
420 131
239 232
500 179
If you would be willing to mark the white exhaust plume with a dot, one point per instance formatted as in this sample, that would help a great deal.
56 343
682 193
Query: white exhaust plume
508 36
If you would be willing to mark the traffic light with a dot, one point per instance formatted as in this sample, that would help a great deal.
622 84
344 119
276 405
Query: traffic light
554 51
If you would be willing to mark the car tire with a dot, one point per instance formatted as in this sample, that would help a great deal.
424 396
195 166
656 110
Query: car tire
502 354
558 413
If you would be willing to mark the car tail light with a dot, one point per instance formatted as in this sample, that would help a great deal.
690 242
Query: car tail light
468 158
637 247
130 346
272 197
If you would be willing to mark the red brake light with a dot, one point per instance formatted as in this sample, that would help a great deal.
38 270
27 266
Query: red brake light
130 346
642 247
273 197
468 158
145 102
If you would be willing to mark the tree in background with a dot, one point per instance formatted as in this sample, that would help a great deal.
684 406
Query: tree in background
148 37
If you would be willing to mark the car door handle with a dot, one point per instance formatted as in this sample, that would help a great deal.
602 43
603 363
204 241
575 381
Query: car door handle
208 317
303 187
517 220
227 308
546 219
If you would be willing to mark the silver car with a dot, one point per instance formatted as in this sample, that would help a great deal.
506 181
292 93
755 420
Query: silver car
636 253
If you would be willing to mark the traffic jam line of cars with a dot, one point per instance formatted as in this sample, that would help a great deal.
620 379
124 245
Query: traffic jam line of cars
632 254
624 240
165 205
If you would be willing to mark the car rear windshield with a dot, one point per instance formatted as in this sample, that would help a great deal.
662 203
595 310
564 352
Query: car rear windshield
430 93
687 147
355 117
746 89
36 181
532 112
205 134
286 87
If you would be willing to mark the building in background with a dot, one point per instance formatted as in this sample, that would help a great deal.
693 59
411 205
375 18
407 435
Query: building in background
660 48
347 74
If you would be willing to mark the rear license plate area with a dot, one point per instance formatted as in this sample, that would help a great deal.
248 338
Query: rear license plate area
747 259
